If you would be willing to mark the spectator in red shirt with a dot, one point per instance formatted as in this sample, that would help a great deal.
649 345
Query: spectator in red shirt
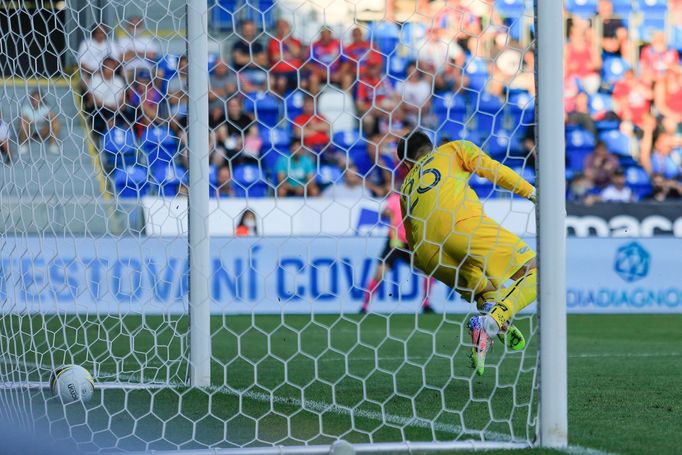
582 59
657 58
668 95
286 53
633 98
325 56
358 55
314 128
376 98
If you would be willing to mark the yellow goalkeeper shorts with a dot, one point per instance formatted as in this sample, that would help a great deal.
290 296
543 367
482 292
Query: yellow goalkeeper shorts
477 250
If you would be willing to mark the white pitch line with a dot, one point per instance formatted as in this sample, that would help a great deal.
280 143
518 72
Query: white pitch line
580 450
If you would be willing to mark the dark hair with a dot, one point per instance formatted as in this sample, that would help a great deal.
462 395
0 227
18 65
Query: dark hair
413 145
619 172
243 215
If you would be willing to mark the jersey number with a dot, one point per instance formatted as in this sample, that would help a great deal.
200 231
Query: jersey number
423 189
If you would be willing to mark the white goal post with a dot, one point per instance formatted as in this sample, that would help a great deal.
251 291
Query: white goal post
202 340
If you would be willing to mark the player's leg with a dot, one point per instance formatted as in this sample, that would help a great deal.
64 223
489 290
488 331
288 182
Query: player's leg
385 263
427 285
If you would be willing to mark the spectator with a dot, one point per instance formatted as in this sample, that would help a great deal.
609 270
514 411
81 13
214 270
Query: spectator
92 51
582 60
664 189
657 154
37 120
314 128
296 173
632 98
376 98
600 165
247 52
137 50
581 114
358 55
581 189
657 58
615 41
668 94
617 191
146 99
247 224
379 177
232 134
350 188
107 94
416 94
177 94
437 54
324 54
286 54
224 182
337 103
5 151
223 83
248 55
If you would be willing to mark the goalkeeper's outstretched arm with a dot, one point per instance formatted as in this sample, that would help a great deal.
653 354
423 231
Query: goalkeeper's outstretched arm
478 162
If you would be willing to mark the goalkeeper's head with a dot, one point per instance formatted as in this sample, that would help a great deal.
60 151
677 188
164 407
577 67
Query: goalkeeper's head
413 146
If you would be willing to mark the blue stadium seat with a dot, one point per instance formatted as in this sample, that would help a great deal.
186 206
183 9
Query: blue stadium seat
482 187
488 113
119 147
502 144
329 174
622 8
160 145
276 143
167 179
265 107
521 110
582 8
294 104
653 7
617 142
412 37
131 181
527 172
397 66
476 71
461 134
676 38
649 25
353 145
385 35
613 70
249 181
638 180
212 60
450 109
579 144
600 103
510 8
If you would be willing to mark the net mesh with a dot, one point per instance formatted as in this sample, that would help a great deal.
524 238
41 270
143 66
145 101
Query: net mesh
306 103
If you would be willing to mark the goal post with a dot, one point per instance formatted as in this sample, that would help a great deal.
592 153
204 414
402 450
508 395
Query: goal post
234 283
551 214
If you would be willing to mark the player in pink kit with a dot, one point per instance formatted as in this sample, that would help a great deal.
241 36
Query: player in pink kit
395 250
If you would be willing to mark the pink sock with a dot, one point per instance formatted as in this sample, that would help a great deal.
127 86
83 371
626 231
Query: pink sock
371 287
427 285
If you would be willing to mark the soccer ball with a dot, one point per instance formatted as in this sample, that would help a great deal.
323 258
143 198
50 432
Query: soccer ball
72 383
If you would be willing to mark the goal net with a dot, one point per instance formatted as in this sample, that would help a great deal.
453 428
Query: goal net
316 327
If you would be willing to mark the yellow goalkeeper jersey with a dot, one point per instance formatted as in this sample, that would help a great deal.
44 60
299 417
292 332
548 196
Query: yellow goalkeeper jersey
436 193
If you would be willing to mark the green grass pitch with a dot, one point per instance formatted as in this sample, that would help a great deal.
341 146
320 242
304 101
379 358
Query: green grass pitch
295 379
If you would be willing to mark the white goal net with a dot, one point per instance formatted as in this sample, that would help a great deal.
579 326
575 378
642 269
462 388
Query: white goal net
319 329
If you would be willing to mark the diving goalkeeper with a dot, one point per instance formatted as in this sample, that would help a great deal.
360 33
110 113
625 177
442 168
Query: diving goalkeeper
455 242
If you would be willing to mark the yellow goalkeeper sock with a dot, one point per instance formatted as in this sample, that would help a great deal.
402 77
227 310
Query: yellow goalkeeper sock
515 298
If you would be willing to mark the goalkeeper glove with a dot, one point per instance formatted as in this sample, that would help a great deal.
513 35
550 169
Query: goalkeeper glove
533 197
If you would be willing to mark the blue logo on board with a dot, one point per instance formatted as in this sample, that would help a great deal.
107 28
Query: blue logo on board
632 262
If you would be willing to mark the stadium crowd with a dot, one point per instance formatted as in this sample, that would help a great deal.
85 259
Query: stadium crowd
289 118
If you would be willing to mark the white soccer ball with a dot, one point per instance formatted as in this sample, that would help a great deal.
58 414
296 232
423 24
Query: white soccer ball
72 383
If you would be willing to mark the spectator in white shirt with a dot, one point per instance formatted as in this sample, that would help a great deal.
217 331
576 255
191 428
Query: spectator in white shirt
177 94
94 50
38 121
351 188
617 191
107 92
416 93
137 49
5 152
